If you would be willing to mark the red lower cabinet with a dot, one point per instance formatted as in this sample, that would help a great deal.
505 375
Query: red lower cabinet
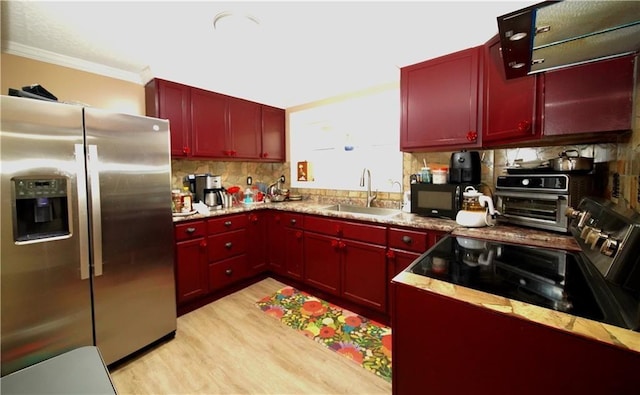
322 262
294 247
227 247
275 247
364 274
213 254
257 242
191 270
347 259
445 346
191 261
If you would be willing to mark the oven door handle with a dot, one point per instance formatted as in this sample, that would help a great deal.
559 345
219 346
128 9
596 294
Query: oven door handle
528 195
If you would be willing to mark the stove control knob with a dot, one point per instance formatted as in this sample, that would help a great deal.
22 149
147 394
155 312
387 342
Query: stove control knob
609 247
582 216
594 236
585 232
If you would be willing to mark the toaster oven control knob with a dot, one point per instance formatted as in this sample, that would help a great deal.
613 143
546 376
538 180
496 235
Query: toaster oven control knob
572 213
609 247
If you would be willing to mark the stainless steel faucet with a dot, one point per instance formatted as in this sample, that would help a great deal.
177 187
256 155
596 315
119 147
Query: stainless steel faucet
370 197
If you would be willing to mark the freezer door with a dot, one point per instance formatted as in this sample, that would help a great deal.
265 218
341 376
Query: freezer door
129 179
44 268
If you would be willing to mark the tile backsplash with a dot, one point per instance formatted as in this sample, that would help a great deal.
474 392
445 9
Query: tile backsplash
232 173
620 161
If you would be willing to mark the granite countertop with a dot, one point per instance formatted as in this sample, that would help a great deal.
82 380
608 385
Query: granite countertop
606 333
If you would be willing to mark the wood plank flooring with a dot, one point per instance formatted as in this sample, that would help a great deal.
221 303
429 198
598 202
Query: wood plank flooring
231 347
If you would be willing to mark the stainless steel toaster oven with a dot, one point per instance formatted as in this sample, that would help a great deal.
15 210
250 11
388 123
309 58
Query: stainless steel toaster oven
540 200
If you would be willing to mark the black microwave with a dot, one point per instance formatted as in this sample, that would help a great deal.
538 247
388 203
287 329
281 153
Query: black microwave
437 200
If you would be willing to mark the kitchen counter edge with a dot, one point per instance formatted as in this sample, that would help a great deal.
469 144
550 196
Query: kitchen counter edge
503 233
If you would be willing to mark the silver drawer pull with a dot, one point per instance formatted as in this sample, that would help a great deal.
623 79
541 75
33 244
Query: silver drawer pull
228 245
407 239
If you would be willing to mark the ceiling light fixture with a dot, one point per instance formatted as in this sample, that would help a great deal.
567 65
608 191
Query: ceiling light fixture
234 21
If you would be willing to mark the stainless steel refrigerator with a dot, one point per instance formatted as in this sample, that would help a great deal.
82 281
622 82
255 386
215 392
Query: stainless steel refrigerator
87 242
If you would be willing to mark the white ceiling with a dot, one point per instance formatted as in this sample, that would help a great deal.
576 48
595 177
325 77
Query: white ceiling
300 51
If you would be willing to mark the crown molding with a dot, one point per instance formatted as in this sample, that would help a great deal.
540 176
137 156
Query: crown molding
43 55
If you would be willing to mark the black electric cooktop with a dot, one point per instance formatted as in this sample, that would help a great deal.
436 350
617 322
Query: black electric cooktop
554 279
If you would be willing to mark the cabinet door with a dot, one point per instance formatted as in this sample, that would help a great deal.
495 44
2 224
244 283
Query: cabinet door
273 134
294 259
509 105
590 98
245 128
257 242
276 244
191 270
322 262
172 101
208 119
364 274
439 100
398 260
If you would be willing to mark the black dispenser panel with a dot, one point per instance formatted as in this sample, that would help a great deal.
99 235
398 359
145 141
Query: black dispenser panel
41 208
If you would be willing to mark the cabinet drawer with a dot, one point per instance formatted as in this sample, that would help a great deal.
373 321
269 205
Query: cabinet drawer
349 230
226 223
322 225
408 240
293 220
226 272
226 245
363 232
189 230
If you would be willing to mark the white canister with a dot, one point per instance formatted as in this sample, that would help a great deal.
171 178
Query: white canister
439 176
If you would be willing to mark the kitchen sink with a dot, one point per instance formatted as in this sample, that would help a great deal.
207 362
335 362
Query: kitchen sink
373 211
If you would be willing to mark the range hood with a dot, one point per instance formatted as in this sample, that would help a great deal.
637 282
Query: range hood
556 34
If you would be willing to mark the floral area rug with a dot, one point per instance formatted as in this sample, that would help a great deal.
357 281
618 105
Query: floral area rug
360 339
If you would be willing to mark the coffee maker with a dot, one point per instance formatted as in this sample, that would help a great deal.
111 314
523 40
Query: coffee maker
206 188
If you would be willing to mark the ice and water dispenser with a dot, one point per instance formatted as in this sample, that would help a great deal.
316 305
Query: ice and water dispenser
41 208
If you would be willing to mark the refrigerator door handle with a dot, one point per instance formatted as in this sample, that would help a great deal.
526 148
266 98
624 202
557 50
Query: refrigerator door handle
93 166
83 235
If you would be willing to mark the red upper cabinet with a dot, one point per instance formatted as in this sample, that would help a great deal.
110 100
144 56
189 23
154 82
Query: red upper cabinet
244 138
509 105
591 98
168 100
440 102
273 134
208 114
210 125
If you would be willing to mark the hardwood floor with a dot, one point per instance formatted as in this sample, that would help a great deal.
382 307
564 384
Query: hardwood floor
231 347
